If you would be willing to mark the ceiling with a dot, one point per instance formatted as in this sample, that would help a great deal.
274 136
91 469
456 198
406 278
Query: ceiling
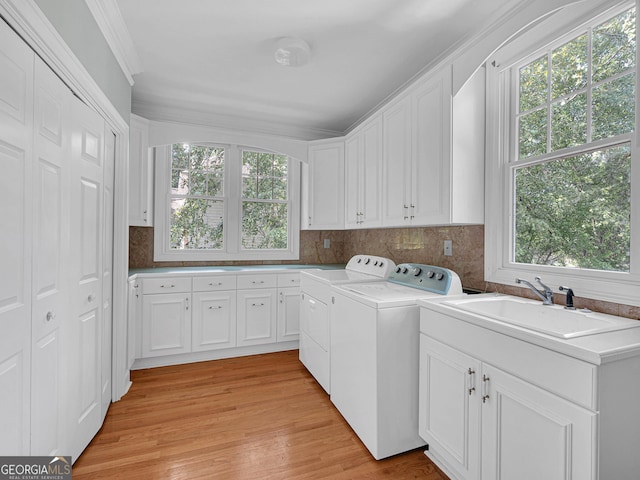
212 61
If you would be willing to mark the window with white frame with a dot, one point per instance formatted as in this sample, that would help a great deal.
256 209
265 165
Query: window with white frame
562 156
225 202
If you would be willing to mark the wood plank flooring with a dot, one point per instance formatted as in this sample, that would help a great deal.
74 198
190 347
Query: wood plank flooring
257 417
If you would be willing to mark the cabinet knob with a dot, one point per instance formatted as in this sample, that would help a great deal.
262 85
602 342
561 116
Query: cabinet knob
91 297
50 316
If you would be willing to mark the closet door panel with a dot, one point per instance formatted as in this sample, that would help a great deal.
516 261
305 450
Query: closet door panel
50 247
86 268
16 134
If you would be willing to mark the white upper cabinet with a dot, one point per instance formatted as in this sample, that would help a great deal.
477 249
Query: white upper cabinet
433 160
325 209
140 174
363 155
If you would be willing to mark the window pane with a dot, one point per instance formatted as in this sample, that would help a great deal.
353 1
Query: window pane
614 107
196 224
533 84
533 133
569 122
575 212
614 46
569 67
264 225
180 155
198 183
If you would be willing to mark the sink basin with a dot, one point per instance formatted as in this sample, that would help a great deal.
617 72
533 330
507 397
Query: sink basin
552 320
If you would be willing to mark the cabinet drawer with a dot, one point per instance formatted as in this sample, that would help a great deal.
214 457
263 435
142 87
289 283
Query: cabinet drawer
166 285
214 282
565 376
257 281
289 280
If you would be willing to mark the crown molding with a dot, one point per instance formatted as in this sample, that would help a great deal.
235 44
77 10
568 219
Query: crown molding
109 19
158 109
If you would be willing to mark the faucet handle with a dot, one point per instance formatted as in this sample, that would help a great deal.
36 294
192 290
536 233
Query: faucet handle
570 295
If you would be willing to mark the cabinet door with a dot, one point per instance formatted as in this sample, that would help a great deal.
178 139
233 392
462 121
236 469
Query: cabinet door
166 324
134 322
352 166
214 320
396 162
431 159
256 316
140 174
326 186
449 408
530 434
370 177
288 314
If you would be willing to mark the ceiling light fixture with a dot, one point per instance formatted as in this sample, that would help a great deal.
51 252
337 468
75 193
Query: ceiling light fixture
292 52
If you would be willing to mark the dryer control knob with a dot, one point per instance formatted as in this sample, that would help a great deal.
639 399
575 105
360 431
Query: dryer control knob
440 276
367 261
430 274
405 269
398 269
417 271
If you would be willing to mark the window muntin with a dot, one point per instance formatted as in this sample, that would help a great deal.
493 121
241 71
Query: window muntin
578 92
265 209
571 196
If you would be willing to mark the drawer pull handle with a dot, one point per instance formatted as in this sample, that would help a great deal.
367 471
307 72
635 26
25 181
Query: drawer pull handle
167 286
257 304
91 297
216 307
50 316
215 284
257 282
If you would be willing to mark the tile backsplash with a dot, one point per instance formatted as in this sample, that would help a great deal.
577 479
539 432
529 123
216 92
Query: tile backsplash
416 245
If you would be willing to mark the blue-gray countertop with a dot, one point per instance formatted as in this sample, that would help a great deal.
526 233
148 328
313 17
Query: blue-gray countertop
221 269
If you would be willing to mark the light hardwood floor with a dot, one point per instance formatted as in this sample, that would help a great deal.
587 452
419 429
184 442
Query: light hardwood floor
257 417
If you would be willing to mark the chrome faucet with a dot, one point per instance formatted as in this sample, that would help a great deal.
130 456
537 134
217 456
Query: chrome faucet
546 295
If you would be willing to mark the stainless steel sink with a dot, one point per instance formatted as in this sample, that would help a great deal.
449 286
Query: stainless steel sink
552 320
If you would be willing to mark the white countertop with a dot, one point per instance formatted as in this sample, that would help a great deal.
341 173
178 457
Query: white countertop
596 349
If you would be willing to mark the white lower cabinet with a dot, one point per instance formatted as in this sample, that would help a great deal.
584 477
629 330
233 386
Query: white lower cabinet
288 322
481 422
213 320
200 317
256 316
499 406
529 433
166 324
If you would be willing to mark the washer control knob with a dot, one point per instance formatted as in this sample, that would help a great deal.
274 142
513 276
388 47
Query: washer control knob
381 263
398 269
440 276
405 269
359 260
375 264
430 274
367 261
417 271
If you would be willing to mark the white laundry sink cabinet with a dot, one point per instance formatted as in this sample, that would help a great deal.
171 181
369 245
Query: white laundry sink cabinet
497 401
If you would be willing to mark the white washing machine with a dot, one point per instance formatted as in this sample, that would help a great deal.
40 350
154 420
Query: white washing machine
375 354
315 289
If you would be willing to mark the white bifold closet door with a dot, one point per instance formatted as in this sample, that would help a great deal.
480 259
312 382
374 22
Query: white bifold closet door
56 255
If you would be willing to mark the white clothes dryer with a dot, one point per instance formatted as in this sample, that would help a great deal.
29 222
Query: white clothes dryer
375 354
315 289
